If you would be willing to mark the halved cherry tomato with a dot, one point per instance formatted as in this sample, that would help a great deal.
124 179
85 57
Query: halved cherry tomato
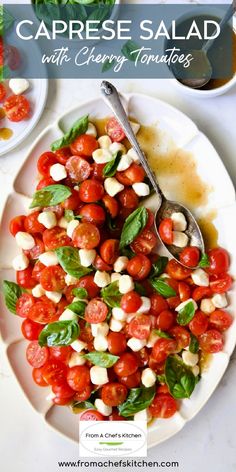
37 356
221 283
163 406
55 237
17 108
45 182
176 271
131 302
57 209
30 329
78 377
3 92
96 311
220 319
165 320
24 304
17 224
109 250
211 341
61 353
144 243
134 174
201 292
190 256
139 327
184 291
86 236
166 231
45 161
78 169
116 417
116 343
181 335
87 282
90 191
97 171
24 278
111 205
93 213
173 302
199 324
158 304
43 312
131 381
84 145
36 272
32 224
72 202
63 391
150 220
162 389
139 267
126 365
162 348
36 250
114 130
84 394
219 261
63 155
128 198
114 393
61 401
54 372
37 374
91 415
99 264
52 278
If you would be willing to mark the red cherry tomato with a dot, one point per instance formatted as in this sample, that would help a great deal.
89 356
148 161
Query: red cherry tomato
173 302
162 389
63 155
165 320
87 282
45 161
78 377
83 394
99 264
24 304
90 191
86 236
52 278
61 353
92 415
97 171
38 377
63 391
111 205
134 174
3 92
181 335
114 130
201 292
184 291
72 202
139 267
24 278
84 145
219 261
32 224
199 324
166 231
131 381
17 224
114 393
176 271
61 401
78 169
190 256
109 250
54 372
96 311
150 220
139 327
45 182
221 283
37 356
220 319
162 348
43 312
116 417
163 406
116 343
158 304
55 237
128 199
131 302
36 250
30 330
36 273
57 209
93 213
17 108
144 243
211 341
126 365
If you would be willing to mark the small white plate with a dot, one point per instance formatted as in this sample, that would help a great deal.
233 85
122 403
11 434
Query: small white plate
177 127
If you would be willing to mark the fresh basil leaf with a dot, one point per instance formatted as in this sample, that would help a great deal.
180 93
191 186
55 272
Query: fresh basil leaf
59 333
11 292
77 307
69 260
69 215
179 378
138 400
100 13
102 359
139 288
186 314
50 196
111 295
108 65
133 226
78 128
111 167
194 344
162 288
86 405
162 334
128 50
161 378
6 20
204 261
80 292
159 266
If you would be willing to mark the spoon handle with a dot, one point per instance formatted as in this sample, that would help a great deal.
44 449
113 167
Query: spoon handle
113 101
229 13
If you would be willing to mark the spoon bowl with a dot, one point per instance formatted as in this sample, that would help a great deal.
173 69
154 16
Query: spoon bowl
199 72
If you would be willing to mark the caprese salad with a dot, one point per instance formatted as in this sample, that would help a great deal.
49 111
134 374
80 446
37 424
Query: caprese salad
116 330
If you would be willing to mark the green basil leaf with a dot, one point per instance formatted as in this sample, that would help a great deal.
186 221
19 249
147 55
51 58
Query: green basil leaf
179 378
140 289
194 344
50 196
111 295
161 378
159 266
133 226
77 307
69 260
11 292
162 334
138 400
162 288
128 50
102 359
126 251
80 292
6 20
59 333
69 215
78 128
186 314
204 261
86 405
111 167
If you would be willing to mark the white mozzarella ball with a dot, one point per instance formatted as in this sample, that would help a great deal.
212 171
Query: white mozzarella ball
152 339
119 314
219 300
143 415
20 262
125 163
141 189
115 325
183 304
196 370
200 278
115 277
126 284
133 154
101 329
146 305
136 344
113 186
70 280
58 172
117 147
71 227
179 221
63 223
38 291
53 296
189 358
91 131
48 258
104 409
78 345
47 219
98 375
180 239
148 377
24 240
102 279
207 306
121 263
100 343
76 358
104 142
68 315
102 156
130 316
135 127
18 86
87 257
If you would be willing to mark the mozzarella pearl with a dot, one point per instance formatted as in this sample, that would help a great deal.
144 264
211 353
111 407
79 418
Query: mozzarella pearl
38 291
87 256
148 377
207 306
58 172
119 314
47 219
116 325
125 163
78 345
196 370
63 223
136 344
146 305
180 239
18 86
20 262
200 278
219 300
71 227
152 339
70 280
179 221
68 315
121 263
104 409
76 358
141 189
104 142
102 156
98 375
126 284
102 279
112 186
24 240
91 131
117 147
101 329
115 276
189 358
48 258
133 154
100 343
53 296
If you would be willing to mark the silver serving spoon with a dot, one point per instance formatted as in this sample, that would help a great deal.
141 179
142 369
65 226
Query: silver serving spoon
201 62
165 207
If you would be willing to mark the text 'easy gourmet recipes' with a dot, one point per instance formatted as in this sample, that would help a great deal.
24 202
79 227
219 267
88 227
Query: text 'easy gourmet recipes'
114 328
